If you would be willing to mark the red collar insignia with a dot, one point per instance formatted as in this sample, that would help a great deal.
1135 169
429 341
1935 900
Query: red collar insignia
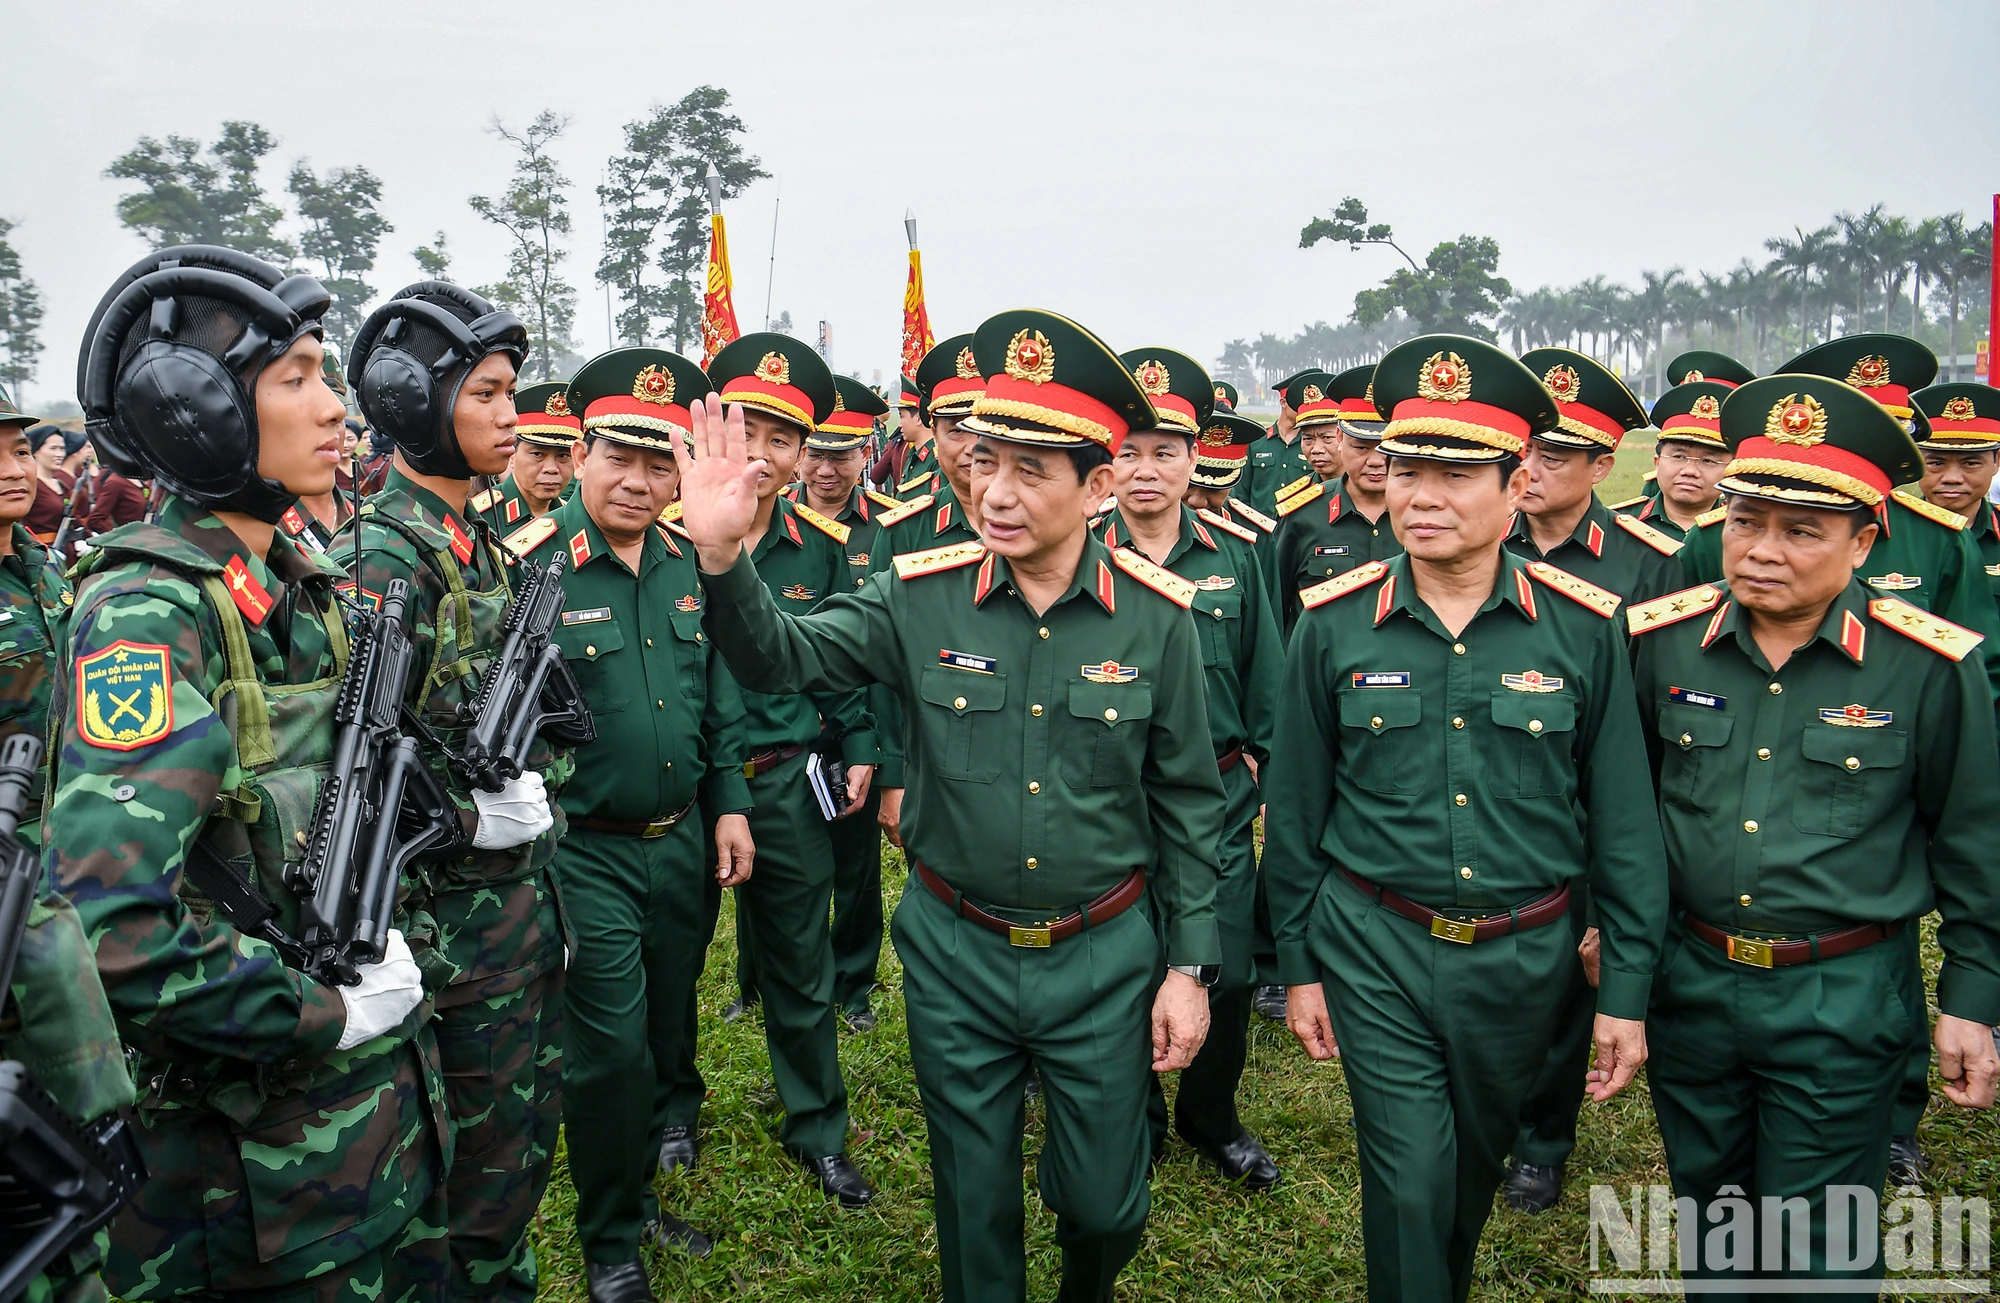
294 523
792 528
251 597
1526 592
985 583
943 519
513 510
461 543
1594 540
1385 600
579 547
1104 590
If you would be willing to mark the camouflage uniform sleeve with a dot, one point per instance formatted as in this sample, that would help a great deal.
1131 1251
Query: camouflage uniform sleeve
67 1038
137 779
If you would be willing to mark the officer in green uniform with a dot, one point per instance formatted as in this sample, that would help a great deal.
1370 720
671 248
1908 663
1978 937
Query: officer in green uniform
1825 757
636 877
1457 724
1329 529
1562 522
434 368
1243 661
1695 367
1959 459
786 391
1688 459
290 1126
1042 796
1276 460
918 474
540 472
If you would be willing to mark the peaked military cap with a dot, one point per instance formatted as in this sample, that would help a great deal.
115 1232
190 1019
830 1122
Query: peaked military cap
855 407
1353 396
544 418
1050 381
1964 417
1283 387
1691 412
1305 393
1225 396
1888 368
12 415
1814 440
635 396
1182 394
1458 399
910 397
1222 449
1596 409
777 374
948 379
1703 364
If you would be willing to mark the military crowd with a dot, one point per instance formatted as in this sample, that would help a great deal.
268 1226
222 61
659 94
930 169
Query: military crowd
1550 789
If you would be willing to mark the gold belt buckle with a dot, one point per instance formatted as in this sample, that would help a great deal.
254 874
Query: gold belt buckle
1038 937
1743 950
659 827
1451 929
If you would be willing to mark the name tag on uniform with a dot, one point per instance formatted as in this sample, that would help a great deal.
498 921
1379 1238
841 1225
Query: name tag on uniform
6 616
967 661
1339 549
586 616
1689 697
1382 678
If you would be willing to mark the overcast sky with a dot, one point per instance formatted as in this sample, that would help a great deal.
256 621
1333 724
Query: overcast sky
1142 168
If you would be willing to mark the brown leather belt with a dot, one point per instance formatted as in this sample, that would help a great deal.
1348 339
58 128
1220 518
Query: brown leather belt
1540 910
1781 954
1228 760
757 764
657 828
1039 936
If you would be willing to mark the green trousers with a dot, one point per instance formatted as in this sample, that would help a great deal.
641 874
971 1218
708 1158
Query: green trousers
686 1090
781 913
637 905
1440 1043
982 1014
1779 1082
857 904
1548 1116
1205 1104
1913 1095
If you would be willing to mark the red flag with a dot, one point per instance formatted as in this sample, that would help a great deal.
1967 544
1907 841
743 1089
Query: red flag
718 309
917 337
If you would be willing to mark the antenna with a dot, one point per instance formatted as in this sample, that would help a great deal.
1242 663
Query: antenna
771 274
714 191
910 225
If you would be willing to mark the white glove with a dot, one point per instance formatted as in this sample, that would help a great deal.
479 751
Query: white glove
513 816
384 996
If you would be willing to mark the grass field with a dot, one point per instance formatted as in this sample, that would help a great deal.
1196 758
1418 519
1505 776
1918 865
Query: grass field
778 1239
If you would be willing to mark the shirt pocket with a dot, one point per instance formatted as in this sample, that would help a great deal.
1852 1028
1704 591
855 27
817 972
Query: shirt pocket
1384 754
961 720
1692 763
1219 616
1106 742
1532 753
1852 779
591 649
24 668
690 654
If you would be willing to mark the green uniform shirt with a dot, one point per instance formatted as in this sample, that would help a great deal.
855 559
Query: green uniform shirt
670 723
1050 755
1473 773
1647 507
938 522
920 473
864 533
1786 811
1274 463
1605 553
504 508
1323 537
34 620
1242 656
803 566
1985 532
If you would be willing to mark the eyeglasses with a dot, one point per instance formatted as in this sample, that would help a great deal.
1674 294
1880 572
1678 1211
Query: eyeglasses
1706 463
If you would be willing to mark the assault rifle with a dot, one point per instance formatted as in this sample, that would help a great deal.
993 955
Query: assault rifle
379 809
59 1180
527 690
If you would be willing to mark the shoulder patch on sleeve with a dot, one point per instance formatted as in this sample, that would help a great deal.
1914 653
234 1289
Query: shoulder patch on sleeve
481 500
1915 623
898 514
1227 525
125 696
1672 608
832 528
911 565
530 536
1658 540
1254 516
1156 577
882 500
1713 516
669 513
1341 585
1584 593
1931 511
1639 501
1286 506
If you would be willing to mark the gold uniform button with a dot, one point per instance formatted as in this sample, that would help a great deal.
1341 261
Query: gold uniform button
1034 789
1459 799
589 650
1044 631
1777 688
1749 825
1458 648
1034 863
1457 722
1218 613
1763 753
1375 722
1036 710
649 642
1465 872
660 704
1111 715
1534 726
1743 901
958 703
1852 762
1687 739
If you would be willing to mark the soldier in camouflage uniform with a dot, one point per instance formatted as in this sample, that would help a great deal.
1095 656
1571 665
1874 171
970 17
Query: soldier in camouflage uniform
290 1127
499 945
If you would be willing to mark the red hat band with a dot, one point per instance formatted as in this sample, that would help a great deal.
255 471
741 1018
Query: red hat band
1070 410
784 400
625 410
1759 455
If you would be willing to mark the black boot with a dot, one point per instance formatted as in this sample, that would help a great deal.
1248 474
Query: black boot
618 1282
679 1147
1242 1159
1269 1001
1533 1187
673 1233
1906 1163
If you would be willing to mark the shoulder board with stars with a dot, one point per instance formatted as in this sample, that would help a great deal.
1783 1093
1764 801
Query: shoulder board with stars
1653 538
1254 516
832 528
1341 585
481 500
669 513
898 514
1296 486
530 536
1286 506
1639 501
1919 625
1601 600
1227 525
882 500
1931 511
912 565
1161 580
1672 609
1713 516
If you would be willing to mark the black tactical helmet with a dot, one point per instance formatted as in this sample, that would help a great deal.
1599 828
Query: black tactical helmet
411 358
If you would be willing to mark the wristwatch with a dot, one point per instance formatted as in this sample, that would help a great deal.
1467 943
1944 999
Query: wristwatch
1203 974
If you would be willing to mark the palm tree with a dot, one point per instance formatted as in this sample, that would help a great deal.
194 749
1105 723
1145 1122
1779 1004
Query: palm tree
1655 303
1799 258
1967 263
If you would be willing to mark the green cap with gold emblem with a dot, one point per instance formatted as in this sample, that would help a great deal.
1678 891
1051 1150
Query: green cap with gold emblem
1050 381
635 396
1222 449
1595 408
1179 386
1352 393
1691 412
948 379
542 415
1225 396
12 415
1888 368
776 374
1700 364
1458 399
1305 393
1816 441
855 407
1964 417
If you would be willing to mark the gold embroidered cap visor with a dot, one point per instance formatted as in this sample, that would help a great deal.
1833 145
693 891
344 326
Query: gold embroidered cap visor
637 396
1595 408
542 415
949 379
775 374
1050 381
1888 368
1814 441
1181 393
1691 412
1453 398
1222 449
855 408
1963 417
